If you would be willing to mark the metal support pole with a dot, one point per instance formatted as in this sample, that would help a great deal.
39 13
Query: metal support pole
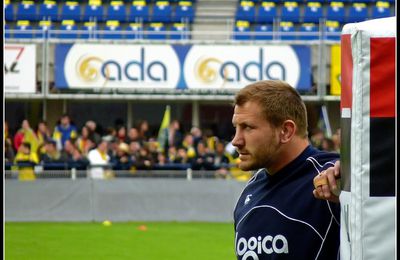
129 115
195 113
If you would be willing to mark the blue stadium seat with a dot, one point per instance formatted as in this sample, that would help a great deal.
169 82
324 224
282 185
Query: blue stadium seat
7 33
139 12
336 12
135 31
44 27
23 30
332 30
9 11
184 12
112 30
263 32
162 12
274 1
246 12
71 10
287 30
242 31
313 12
358 12
94 11
156 31
179 31
266 12
290 12
69 30
27 10
381 9
89 30
308 31
360 1
48 10
116 11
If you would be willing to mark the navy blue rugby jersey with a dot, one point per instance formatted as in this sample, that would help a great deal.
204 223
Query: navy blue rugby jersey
277 217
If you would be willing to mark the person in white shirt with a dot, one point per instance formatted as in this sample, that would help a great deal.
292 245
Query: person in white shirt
99 160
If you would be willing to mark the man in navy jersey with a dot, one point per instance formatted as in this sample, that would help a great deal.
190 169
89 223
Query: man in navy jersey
277 216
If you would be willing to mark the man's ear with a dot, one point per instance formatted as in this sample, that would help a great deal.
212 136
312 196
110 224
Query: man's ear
288 131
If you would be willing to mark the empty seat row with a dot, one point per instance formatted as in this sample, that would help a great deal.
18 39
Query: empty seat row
161 11
68 29
286 31
311 12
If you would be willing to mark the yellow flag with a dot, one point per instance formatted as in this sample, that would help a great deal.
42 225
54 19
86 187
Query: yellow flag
163 133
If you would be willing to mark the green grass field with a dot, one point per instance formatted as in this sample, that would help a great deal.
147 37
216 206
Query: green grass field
156 240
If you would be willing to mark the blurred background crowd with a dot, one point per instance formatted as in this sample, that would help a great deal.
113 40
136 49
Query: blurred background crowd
119 148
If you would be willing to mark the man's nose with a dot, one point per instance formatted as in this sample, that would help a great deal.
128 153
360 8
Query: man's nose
237 140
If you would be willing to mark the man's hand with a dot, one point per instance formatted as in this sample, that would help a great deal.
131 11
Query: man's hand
326 185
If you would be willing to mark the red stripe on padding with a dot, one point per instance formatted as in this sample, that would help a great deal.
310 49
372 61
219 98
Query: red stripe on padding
346 71
382 77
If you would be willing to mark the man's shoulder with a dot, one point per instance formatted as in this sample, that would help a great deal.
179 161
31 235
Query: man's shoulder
324 155
323 159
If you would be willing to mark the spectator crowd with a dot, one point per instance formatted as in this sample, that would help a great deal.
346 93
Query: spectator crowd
123 149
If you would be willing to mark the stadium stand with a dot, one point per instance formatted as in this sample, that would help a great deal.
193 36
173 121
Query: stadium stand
313 12
89 30
358 12
184 12
156 31
94 11
7 33
9 11
68 30
112 30
162 12
308 31
71 10
266 12
242 30
333 30
23 30
116 11
290 12
179 31
246 11
263 32
257 12
48 10
44 27
336 12
288 29
27 10
135 31
381 9
139 12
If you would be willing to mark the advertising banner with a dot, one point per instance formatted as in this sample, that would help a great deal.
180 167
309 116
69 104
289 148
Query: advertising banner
193 67
19 68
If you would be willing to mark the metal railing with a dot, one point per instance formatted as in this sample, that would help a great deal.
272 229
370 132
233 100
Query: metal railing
73 171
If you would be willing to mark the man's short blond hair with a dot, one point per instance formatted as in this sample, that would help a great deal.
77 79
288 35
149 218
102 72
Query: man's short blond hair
279 102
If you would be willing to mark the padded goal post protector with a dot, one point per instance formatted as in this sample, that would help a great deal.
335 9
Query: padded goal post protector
368 118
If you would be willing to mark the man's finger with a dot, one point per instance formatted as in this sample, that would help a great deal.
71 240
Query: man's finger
320 180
